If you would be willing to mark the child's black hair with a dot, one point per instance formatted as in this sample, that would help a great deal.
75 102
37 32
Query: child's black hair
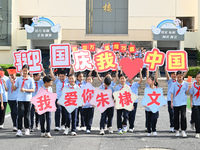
70 75
47 79
197 74
179 73
12 67
172 73
25 66
61 72
1 69
107 73
35 74
153 79
88 76
107 81
122 75
78 74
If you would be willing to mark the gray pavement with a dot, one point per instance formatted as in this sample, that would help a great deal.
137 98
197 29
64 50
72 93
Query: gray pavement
93 141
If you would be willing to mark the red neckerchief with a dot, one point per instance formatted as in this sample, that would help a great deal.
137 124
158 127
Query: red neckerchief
63 84
180 86
198 92
79 84
70 87
23 83
12 88
36 84
122 87
174 80
1 82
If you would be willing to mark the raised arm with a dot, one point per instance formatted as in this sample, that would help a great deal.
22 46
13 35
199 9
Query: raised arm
116 76
44 74
51 73
71 71
99 78
140 77
167 74
185 73
147 73
156 76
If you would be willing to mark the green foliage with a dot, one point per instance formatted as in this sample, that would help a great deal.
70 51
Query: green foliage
193 71
6 66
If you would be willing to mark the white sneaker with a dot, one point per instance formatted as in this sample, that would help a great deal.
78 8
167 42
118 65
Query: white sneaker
101 132
66 131
37 128
73 133
124 129
110 130
42 134
57 129
19 133
62 127
155 134
192 126
120 131
1 126
177 133
48 135
27 132
15 129
88 131
31 130
172 129
148 134
184 134
82 128
197 135
131 130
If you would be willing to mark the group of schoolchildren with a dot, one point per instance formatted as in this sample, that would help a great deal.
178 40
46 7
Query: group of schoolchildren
18 91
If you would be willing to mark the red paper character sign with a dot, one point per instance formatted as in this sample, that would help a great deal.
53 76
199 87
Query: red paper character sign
60 55
125 98
125 63
74 48
123 48
92 47
32 58
132 48
71 99
105 61
116 46
11 71
176 60
82 60
154 58
87 93
44 101
107 46
85 46
102 99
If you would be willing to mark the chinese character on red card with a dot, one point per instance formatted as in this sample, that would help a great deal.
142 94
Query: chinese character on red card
123 48
85 46
74 48
60 55
176 60
105 61
92 47
132 48
154 58
107 46
82 60
116 46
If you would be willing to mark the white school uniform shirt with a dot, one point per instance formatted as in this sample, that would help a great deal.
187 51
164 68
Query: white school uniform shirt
1 90
4 94
59 87
181 98
194 92
134 88
49 89
28 84
12 95
40 83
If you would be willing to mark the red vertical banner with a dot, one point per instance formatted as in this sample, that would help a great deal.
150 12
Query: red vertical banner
74 48
116 46
132 48
107 46
123 48
85 46
92 47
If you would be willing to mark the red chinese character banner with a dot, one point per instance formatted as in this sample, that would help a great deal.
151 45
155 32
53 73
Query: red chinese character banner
102 99
82 60
32 58
105 61
87 93
116 46
107 46
74 48
125 63
153 99
176 60
132 48
71 99
123 48
85 46
92 47
124 98
44 101
154 58
60 55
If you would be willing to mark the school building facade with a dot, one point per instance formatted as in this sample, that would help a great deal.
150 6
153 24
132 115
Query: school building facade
86 21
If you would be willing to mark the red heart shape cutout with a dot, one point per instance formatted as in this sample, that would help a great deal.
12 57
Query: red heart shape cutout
131 67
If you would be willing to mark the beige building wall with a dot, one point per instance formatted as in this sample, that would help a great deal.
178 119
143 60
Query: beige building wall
71 14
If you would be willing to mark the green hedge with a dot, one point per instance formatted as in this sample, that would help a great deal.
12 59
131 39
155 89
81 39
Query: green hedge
6 66
193 71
